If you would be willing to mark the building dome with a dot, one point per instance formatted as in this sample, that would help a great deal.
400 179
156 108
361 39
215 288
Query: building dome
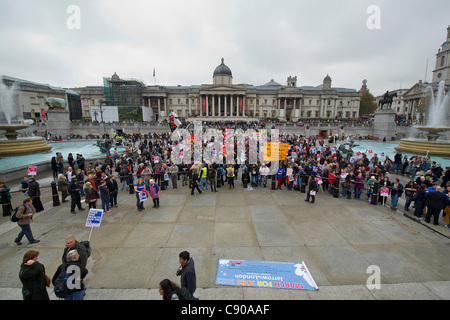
222 70
115 77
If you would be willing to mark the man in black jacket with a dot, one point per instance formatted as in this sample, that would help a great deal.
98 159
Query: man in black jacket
313 187
435 202
187 272
74 191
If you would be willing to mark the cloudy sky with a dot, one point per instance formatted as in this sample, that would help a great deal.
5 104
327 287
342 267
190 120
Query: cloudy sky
184 40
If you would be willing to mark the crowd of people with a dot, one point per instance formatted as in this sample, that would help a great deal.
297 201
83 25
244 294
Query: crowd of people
68 279
311 166
147 167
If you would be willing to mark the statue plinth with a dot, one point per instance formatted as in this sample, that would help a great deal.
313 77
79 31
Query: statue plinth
384 123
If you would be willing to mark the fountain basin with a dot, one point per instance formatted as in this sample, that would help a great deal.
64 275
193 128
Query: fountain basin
422 147
20 147
11 130
14 146
432 133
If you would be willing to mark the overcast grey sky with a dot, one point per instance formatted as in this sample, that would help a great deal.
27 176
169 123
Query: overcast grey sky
260 40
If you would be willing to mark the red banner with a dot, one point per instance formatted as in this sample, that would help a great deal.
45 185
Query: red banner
240 104
224 148
204 104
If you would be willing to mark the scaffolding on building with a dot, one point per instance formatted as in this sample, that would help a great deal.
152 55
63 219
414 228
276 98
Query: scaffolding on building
123 92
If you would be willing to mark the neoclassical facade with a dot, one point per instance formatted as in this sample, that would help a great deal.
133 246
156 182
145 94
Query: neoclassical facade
221 100
224 100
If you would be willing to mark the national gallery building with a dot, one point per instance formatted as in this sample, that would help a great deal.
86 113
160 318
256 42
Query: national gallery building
221 100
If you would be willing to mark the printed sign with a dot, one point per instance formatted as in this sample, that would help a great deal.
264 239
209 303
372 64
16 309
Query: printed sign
264 274
32 170
94 218
275 151
384 191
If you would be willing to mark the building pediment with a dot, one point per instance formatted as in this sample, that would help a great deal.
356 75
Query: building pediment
222 90
415 90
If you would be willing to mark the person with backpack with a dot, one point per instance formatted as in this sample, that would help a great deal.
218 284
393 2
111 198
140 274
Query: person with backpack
171 291
230 176
73 244
24 215
68 279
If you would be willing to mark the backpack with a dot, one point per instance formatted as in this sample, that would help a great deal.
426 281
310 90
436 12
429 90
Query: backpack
184 294
88 247
60 286
230 172
13 215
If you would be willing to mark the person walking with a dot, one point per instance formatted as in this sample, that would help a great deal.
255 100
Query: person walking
74 191
171 291
33 277
187 272
25 215
195 181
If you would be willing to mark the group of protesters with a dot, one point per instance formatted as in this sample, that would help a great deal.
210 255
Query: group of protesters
146 166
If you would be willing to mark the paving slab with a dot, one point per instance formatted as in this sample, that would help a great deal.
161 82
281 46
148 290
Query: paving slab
337 238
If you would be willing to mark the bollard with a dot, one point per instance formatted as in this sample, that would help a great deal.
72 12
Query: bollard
218 178
245 178
55 195
130 184
303 185
336 188
274 177
5 202
161 181
374 196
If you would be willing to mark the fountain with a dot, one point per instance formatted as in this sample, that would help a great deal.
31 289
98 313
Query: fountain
436 124
12 145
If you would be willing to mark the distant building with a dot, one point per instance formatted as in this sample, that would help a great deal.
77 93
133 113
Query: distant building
221 100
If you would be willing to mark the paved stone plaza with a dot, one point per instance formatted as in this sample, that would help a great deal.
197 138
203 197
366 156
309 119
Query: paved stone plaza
338 239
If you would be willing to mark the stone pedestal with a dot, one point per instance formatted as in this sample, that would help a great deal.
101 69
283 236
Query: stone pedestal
384 124
58 122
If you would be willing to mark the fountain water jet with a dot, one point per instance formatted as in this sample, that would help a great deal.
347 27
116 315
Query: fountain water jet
436 124
14 146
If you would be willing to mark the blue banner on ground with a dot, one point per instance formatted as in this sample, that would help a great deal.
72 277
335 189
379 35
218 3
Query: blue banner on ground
264 274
